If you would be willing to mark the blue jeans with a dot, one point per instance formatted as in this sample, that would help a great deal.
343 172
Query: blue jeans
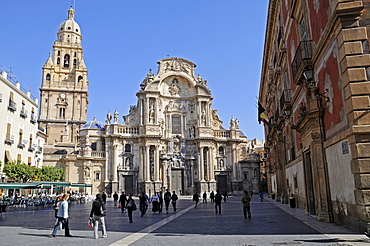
62 221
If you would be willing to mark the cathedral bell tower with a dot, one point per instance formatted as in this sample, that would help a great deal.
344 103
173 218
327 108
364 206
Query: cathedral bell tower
64 89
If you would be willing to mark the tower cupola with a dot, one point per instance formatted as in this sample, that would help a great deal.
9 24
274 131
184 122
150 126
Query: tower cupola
69 31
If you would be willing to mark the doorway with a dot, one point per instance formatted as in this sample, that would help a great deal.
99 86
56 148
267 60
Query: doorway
221 183
128 184
310 193
177 181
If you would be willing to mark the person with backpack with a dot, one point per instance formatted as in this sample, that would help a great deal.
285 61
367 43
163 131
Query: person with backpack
97 215
131 206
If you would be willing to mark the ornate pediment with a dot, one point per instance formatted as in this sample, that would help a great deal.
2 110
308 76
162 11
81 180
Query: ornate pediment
176 65
175 106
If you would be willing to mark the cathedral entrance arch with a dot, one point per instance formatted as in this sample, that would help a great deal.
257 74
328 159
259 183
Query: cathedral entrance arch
177 181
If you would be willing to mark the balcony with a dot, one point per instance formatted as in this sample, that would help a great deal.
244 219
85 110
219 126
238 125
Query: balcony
33 118
21 146
285 99
301 59
23 113
9 139
12 106
30 149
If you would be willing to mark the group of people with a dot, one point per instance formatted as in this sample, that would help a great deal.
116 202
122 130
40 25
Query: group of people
98 210
215 198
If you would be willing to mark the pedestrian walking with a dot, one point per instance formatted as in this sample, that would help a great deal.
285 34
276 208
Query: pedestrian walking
62 217
174 199
97 215
246 199
212 196
167 199
131 206
261 195
155 202
160 202
143 203
104 197
204 197
218 200
196 199
251 192
122 201
225 195
115 198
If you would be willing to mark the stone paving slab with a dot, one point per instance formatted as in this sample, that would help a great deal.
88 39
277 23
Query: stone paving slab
272 223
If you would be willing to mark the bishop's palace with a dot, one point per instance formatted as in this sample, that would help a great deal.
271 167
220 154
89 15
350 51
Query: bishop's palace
171 139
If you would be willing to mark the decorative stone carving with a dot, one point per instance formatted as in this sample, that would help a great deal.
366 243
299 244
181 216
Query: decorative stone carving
174 88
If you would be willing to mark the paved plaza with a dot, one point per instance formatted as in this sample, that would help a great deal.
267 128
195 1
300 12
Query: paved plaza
272 223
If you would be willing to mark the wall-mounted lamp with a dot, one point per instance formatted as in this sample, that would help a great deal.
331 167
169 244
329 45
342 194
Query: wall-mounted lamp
308 73
288 111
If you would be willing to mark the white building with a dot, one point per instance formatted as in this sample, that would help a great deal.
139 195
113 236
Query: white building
18 122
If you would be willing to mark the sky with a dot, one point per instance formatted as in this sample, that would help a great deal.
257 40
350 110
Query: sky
123 39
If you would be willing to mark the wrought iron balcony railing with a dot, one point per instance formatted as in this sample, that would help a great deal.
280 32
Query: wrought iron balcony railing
302 58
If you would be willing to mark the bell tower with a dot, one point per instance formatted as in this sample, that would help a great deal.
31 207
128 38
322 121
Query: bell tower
64 89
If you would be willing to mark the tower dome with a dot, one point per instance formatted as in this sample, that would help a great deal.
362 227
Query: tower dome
94 124
69 31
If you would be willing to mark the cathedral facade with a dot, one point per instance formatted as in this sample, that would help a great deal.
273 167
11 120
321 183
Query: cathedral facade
171 139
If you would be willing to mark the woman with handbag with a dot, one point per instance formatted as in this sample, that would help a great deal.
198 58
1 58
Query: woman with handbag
131 206
97 215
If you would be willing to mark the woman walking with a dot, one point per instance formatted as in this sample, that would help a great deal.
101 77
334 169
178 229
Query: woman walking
62 216
97 215
131 206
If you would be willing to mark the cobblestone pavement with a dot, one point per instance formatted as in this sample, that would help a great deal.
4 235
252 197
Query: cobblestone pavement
272 223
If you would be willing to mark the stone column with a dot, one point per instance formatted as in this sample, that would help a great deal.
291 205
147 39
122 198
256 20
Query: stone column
201 165
147 164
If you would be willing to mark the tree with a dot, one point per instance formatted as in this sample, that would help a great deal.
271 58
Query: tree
23 173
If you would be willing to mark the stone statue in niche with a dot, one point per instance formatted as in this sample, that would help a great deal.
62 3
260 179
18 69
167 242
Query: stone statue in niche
87 172
127 163
204 116
222 165
151 113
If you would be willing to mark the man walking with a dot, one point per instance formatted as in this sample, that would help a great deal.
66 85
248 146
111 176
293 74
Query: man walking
174 199
167 199
204 197
196 199
115 198
104 197
218 200
246 199
122 200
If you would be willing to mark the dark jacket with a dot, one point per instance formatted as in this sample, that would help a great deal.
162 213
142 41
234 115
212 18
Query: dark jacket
123 199
95 210
218 198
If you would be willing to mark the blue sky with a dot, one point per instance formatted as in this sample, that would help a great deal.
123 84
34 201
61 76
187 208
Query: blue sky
123 39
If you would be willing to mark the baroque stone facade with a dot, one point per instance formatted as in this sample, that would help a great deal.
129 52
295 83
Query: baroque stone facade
314 90
172 138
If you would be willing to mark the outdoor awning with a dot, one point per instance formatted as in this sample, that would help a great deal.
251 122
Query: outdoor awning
81 185
19 186
50 183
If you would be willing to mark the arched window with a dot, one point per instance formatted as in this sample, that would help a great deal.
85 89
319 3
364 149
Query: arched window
62 112
58 60
97 176
66 60
93 146
75 54
80 78
59 53
48 76
128 148
74 62
176 124
221 150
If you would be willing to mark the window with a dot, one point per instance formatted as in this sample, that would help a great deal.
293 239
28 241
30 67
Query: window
62 112
75 54
59 50
127 148
221 151
58 60
48 76
20 141
176 124
66 61
9 138
29 161
74 62
97 176
30 146
80 78
93 146
19 158
12 104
